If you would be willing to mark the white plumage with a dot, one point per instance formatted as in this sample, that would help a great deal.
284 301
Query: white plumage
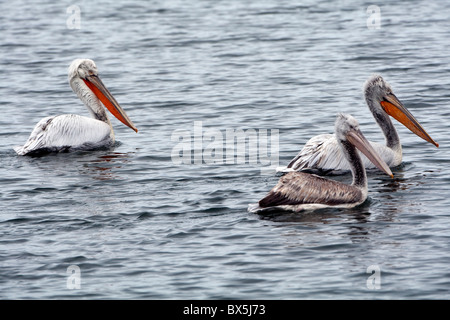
298 191
64 132
74 132
322 152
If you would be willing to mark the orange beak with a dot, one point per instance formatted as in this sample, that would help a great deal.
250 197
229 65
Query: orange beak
98 88
398 111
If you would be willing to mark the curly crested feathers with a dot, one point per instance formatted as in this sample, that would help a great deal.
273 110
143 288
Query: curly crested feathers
81 68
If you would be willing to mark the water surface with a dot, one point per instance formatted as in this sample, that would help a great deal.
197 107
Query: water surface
138 225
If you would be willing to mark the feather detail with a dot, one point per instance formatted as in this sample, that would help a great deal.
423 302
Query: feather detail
323 153
58 133
297 188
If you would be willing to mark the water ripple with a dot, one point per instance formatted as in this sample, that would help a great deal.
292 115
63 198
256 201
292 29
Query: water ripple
140 226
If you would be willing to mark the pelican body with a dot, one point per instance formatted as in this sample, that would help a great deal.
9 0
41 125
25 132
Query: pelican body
323 154
298 191
73 132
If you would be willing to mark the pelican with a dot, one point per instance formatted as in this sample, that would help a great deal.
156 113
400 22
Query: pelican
73 132
297 191
322 153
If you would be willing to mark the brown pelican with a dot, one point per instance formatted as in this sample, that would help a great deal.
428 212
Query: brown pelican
297 191
322 152
74 132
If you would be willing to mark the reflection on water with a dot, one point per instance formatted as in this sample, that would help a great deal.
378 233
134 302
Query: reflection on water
325 216
364 223
103 167
98 164
130 217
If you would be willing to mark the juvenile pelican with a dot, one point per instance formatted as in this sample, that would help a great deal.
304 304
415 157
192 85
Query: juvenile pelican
322 152
297 191
74 132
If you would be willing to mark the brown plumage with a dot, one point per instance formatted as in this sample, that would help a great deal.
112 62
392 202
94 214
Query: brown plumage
302 188
297 191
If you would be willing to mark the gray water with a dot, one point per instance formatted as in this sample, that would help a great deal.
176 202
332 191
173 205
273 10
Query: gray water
137 224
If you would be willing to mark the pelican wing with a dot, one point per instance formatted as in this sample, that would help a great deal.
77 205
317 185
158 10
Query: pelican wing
297 188
322 152
65 131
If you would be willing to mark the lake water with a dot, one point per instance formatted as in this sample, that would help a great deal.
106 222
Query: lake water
145 221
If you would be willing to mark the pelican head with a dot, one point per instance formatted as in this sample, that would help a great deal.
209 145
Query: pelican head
344 124
82 68
377 91
84 79
381 101
376 88
347 131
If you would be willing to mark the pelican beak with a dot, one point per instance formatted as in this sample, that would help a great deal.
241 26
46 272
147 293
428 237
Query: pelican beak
96 85
356 138
398 111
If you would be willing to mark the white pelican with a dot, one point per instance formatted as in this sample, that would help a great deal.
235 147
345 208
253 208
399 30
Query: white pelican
297 191
73 132
322 153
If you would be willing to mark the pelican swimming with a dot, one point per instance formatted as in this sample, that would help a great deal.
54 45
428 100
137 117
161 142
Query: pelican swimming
297 191
73 132
322 152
